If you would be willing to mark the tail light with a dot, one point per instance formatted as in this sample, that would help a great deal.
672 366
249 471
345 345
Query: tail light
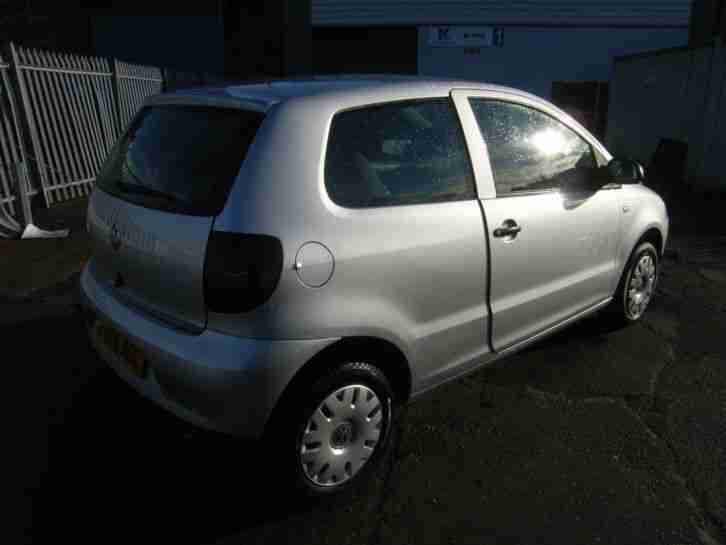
241 271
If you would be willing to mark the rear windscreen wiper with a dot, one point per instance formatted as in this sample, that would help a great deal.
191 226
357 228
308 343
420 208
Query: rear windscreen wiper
143 190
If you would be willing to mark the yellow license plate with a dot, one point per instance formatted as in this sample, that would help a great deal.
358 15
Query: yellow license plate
114 341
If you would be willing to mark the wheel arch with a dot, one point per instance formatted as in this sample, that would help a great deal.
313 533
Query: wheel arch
651 232
384 354
653 235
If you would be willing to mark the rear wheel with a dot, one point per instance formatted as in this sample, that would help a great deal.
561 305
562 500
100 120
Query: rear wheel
637 285
331 434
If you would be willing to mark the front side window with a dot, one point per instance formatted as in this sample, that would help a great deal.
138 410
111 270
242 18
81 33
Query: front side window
397 154
532 151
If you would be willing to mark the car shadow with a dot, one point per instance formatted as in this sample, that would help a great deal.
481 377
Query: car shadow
100 464
592 328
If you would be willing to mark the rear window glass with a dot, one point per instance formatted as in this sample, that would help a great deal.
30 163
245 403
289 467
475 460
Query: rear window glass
180 159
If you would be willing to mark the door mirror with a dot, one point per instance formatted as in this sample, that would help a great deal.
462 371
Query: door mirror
626 171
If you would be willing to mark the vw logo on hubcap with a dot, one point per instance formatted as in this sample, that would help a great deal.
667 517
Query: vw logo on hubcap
342 435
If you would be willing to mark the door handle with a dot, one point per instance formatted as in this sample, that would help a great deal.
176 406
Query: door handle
508 229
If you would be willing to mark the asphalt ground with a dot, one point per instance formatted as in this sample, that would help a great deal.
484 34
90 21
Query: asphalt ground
591 436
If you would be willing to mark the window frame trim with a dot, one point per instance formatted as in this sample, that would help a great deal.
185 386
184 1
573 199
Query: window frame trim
396 101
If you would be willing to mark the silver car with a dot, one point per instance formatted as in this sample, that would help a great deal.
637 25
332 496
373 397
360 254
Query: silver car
294 260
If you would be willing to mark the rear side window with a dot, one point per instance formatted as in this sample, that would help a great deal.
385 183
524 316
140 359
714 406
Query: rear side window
180 158
397 154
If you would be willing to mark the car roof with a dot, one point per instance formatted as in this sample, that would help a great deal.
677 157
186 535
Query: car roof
263 94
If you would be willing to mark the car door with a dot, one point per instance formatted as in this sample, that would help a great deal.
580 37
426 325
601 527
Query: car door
551 231
405 226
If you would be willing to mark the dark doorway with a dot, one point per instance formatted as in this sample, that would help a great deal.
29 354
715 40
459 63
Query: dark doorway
341 50
586 101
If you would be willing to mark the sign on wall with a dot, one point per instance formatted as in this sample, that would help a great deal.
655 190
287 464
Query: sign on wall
465 36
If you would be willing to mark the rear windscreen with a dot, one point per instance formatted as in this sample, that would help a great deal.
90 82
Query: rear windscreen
180 158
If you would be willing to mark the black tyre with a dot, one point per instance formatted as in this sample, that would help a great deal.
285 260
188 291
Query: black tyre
331 433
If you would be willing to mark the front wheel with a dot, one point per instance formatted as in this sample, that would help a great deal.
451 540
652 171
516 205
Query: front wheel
637 285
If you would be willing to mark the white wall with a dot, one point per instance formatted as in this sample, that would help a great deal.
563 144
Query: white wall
532 58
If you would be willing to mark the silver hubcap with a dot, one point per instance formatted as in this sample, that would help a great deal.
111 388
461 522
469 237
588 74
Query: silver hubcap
640 287
341 435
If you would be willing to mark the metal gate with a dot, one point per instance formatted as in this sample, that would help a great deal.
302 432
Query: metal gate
60 115
11 154
134 84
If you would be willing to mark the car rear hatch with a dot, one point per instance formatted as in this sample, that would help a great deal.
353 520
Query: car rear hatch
157 196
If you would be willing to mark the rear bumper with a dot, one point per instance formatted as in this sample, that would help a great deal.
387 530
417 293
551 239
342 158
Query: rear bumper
213 380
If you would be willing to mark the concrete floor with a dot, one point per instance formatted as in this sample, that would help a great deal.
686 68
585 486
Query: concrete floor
592 436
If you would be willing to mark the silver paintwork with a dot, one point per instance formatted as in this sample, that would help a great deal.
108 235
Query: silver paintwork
561 262
429 279
221 382
341 435
314 264
159 255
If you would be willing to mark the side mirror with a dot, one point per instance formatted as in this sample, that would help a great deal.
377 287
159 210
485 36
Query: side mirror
626 171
